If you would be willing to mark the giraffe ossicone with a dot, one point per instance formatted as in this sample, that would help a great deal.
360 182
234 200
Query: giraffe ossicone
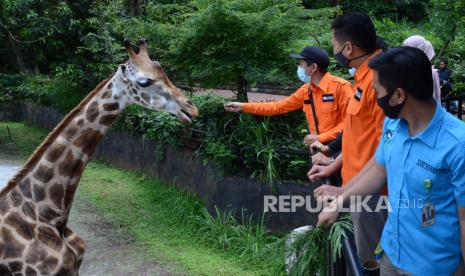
35 204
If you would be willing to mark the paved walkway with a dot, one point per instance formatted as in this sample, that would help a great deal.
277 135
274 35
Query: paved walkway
253 97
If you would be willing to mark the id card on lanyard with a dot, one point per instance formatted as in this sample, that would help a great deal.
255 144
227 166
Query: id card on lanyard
428 211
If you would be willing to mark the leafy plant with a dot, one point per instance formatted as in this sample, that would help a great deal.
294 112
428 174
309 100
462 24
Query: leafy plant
310 247
235 41
217 152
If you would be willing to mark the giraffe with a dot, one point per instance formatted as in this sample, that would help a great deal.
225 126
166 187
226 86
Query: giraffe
35 204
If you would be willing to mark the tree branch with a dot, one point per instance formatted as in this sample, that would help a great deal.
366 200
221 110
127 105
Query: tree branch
21 41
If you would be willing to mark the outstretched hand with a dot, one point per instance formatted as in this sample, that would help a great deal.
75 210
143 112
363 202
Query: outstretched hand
233 107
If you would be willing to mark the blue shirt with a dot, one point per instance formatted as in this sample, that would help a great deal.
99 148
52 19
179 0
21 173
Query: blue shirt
438 154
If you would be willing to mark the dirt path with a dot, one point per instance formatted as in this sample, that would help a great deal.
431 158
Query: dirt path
110 251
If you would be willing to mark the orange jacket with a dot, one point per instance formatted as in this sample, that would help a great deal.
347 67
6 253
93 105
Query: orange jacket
363 125
331 97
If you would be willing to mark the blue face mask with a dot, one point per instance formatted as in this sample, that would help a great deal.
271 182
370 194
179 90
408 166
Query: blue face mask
352 71
302 76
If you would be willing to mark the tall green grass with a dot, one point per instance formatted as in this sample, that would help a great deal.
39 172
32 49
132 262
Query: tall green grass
175 227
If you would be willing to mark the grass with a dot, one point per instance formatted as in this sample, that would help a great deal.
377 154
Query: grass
24 139
175 228
172 225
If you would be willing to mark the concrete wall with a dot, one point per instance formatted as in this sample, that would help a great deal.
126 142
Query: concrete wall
181 168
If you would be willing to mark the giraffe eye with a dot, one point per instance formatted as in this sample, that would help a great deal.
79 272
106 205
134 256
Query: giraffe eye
145 83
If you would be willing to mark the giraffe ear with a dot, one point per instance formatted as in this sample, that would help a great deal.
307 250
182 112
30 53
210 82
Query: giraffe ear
122 68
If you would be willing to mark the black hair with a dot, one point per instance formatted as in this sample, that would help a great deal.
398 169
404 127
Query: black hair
445 61
407 68
357 28
381 44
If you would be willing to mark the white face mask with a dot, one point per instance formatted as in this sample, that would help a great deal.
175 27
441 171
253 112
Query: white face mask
352 71
302 76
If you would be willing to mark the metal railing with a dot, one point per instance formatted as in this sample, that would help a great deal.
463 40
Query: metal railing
349 263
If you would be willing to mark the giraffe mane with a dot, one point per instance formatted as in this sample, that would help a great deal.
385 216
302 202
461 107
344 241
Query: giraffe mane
37 155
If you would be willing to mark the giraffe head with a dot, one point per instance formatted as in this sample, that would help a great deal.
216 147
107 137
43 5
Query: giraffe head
146 84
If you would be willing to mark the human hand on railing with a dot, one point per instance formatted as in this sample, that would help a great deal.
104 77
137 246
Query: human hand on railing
329 215
328 190
319 171
321 159
233 107
310 139
322 148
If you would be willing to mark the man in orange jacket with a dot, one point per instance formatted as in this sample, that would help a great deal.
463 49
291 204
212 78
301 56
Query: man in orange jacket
323 98
355 44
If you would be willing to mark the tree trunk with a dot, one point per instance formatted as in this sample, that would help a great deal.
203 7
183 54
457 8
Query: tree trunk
17 55
133 7
447 42
36 69
242 89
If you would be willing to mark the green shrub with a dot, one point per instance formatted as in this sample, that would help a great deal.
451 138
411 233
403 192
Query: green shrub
246 237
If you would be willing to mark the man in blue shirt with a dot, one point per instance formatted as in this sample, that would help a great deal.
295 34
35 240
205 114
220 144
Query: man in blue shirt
421 155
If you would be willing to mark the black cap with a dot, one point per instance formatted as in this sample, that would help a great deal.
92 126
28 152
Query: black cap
315 55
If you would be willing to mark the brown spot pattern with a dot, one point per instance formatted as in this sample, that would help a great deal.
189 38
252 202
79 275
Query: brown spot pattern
25 187
22 227
48 265
69 195
43 173
4 270
78 244
88 140
107 119
39 192
16 266
106 94
70 166
70 131
146 97
92 111
28 210
55 152
111 106
47 214
56 193
4 206
9 246
16 197
30 271
49 238
35 253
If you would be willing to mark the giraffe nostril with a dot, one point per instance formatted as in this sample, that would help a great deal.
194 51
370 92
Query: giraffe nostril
189 102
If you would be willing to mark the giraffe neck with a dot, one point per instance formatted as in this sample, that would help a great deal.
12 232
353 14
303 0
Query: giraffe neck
51 183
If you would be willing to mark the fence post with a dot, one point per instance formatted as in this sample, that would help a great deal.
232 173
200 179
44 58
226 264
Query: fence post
350 255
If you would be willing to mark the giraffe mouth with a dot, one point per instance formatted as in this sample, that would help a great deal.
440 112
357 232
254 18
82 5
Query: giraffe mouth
187 118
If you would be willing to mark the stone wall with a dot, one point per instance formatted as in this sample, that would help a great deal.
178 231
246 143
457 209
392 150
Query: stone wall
181 168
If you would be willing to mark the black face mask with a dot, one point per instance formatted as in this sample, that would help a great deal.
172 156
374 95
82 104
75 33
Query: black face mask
341 59
345 62
392 112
